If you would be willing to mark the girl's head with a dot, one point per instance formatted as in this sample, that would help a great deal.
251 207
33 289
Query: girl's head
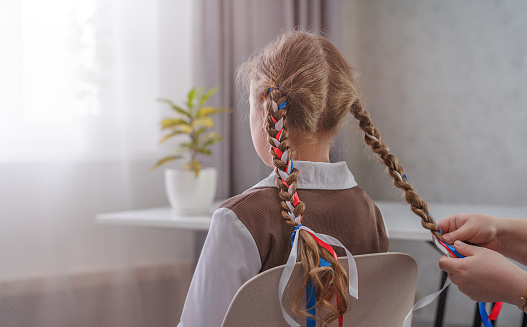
301 88
309 71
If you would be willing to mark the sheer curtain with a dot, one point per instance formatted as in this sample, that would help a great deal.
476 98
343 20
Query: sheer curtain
78 134
227 33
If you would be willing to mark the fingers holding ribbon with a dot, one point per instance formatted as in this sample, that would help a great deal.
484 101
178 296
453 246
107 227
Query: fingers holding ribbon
451 251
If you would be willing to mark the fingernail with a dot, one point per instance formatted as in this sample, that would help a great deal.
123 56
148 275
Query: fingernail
447 238
458 243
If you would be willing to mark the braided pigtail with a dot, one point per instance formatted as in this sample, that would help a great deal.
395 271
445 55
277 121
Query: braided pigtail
372 138
331 280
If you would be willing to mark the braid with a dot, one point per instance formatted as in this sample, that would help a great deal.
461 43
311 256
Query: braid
331 281
281 153
372 137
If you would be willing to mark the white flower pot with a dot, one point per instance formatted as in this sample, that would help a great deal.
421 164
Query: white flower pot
188 194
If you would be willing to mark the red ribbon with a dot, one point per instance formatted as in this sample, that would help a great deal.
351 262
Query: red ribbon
330 249
495 311
279 134
323 244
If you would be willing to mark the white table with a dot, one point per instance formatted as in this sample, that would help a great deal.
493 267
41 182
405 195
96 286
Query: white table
401 222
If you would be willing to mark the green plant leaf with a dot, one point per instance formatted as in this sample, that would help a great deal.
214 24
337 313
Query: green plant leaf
203 150
175 107
198 93
186 129
173 123
200 131
212 141
165 160
191 96
186 145
207 95
171 135
202 122
207 111
211 138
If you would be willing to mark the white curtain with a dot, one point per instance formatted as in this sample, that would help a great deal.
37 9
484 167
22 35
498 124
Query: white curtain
78 134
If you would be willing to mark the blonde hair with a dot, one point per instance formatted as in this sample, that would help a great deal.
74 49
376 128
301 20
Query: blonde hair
306 71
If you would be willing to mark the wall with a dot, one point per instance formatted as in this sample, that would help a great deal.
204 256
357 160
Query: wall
445 83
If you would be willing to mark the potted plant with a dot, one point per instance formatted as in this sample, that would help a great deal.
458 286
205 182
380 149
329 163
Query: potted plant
191 190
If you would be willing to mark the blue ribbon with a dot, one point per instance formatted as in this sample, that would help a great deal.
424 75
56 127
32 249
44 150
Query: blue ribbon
483 314
294 232
282 105
310 288
310 304
453 249
311 298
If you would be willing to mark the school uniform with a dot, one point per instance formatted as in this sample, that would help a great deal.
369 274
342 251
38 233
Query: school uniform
248 234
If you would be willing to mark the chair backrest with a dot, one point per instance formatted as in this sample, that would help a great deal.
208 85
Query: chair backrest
387 284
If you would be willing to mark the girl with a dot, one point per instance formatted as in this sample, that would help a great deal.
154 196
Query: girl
301 89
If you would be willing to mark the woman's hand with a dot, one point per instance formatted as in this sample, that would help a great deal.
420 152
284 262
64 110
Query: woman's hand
484 275
474 228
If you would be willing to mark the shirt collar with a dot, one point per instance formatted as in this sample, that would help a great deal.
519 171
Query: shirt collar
318 176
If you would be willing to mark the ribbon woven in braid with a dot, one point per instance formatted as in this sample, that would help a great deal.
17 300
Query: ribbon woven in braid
290 265
284 156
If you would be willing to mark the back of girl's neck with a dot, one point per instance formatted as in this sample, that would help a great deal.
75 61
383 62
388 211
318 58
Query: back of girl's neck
311 152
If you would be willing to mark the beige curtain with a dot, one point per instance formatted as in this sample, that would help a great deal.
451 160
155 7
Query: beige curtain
226 33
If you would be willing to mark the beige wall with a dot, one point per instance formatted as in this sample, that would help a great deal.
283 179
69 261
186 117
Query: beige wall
445 82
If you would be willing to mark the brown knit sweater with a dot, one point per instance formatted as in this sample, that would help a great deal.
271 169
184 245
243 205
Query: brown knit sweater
348 215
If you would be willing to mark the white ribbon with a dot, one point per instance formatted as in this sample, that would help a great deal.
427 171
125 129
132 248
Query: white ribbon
371 136
275 106
290 206
290 265
283 174
284 156
279 124
290 189
424 302
440 247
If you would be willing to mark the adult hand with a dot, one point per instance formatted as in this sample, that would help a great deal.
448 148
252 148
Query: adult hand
474 228
485 275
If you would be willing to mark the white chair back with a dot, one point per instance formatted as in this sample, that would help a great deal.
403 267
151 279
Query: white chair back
387 284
